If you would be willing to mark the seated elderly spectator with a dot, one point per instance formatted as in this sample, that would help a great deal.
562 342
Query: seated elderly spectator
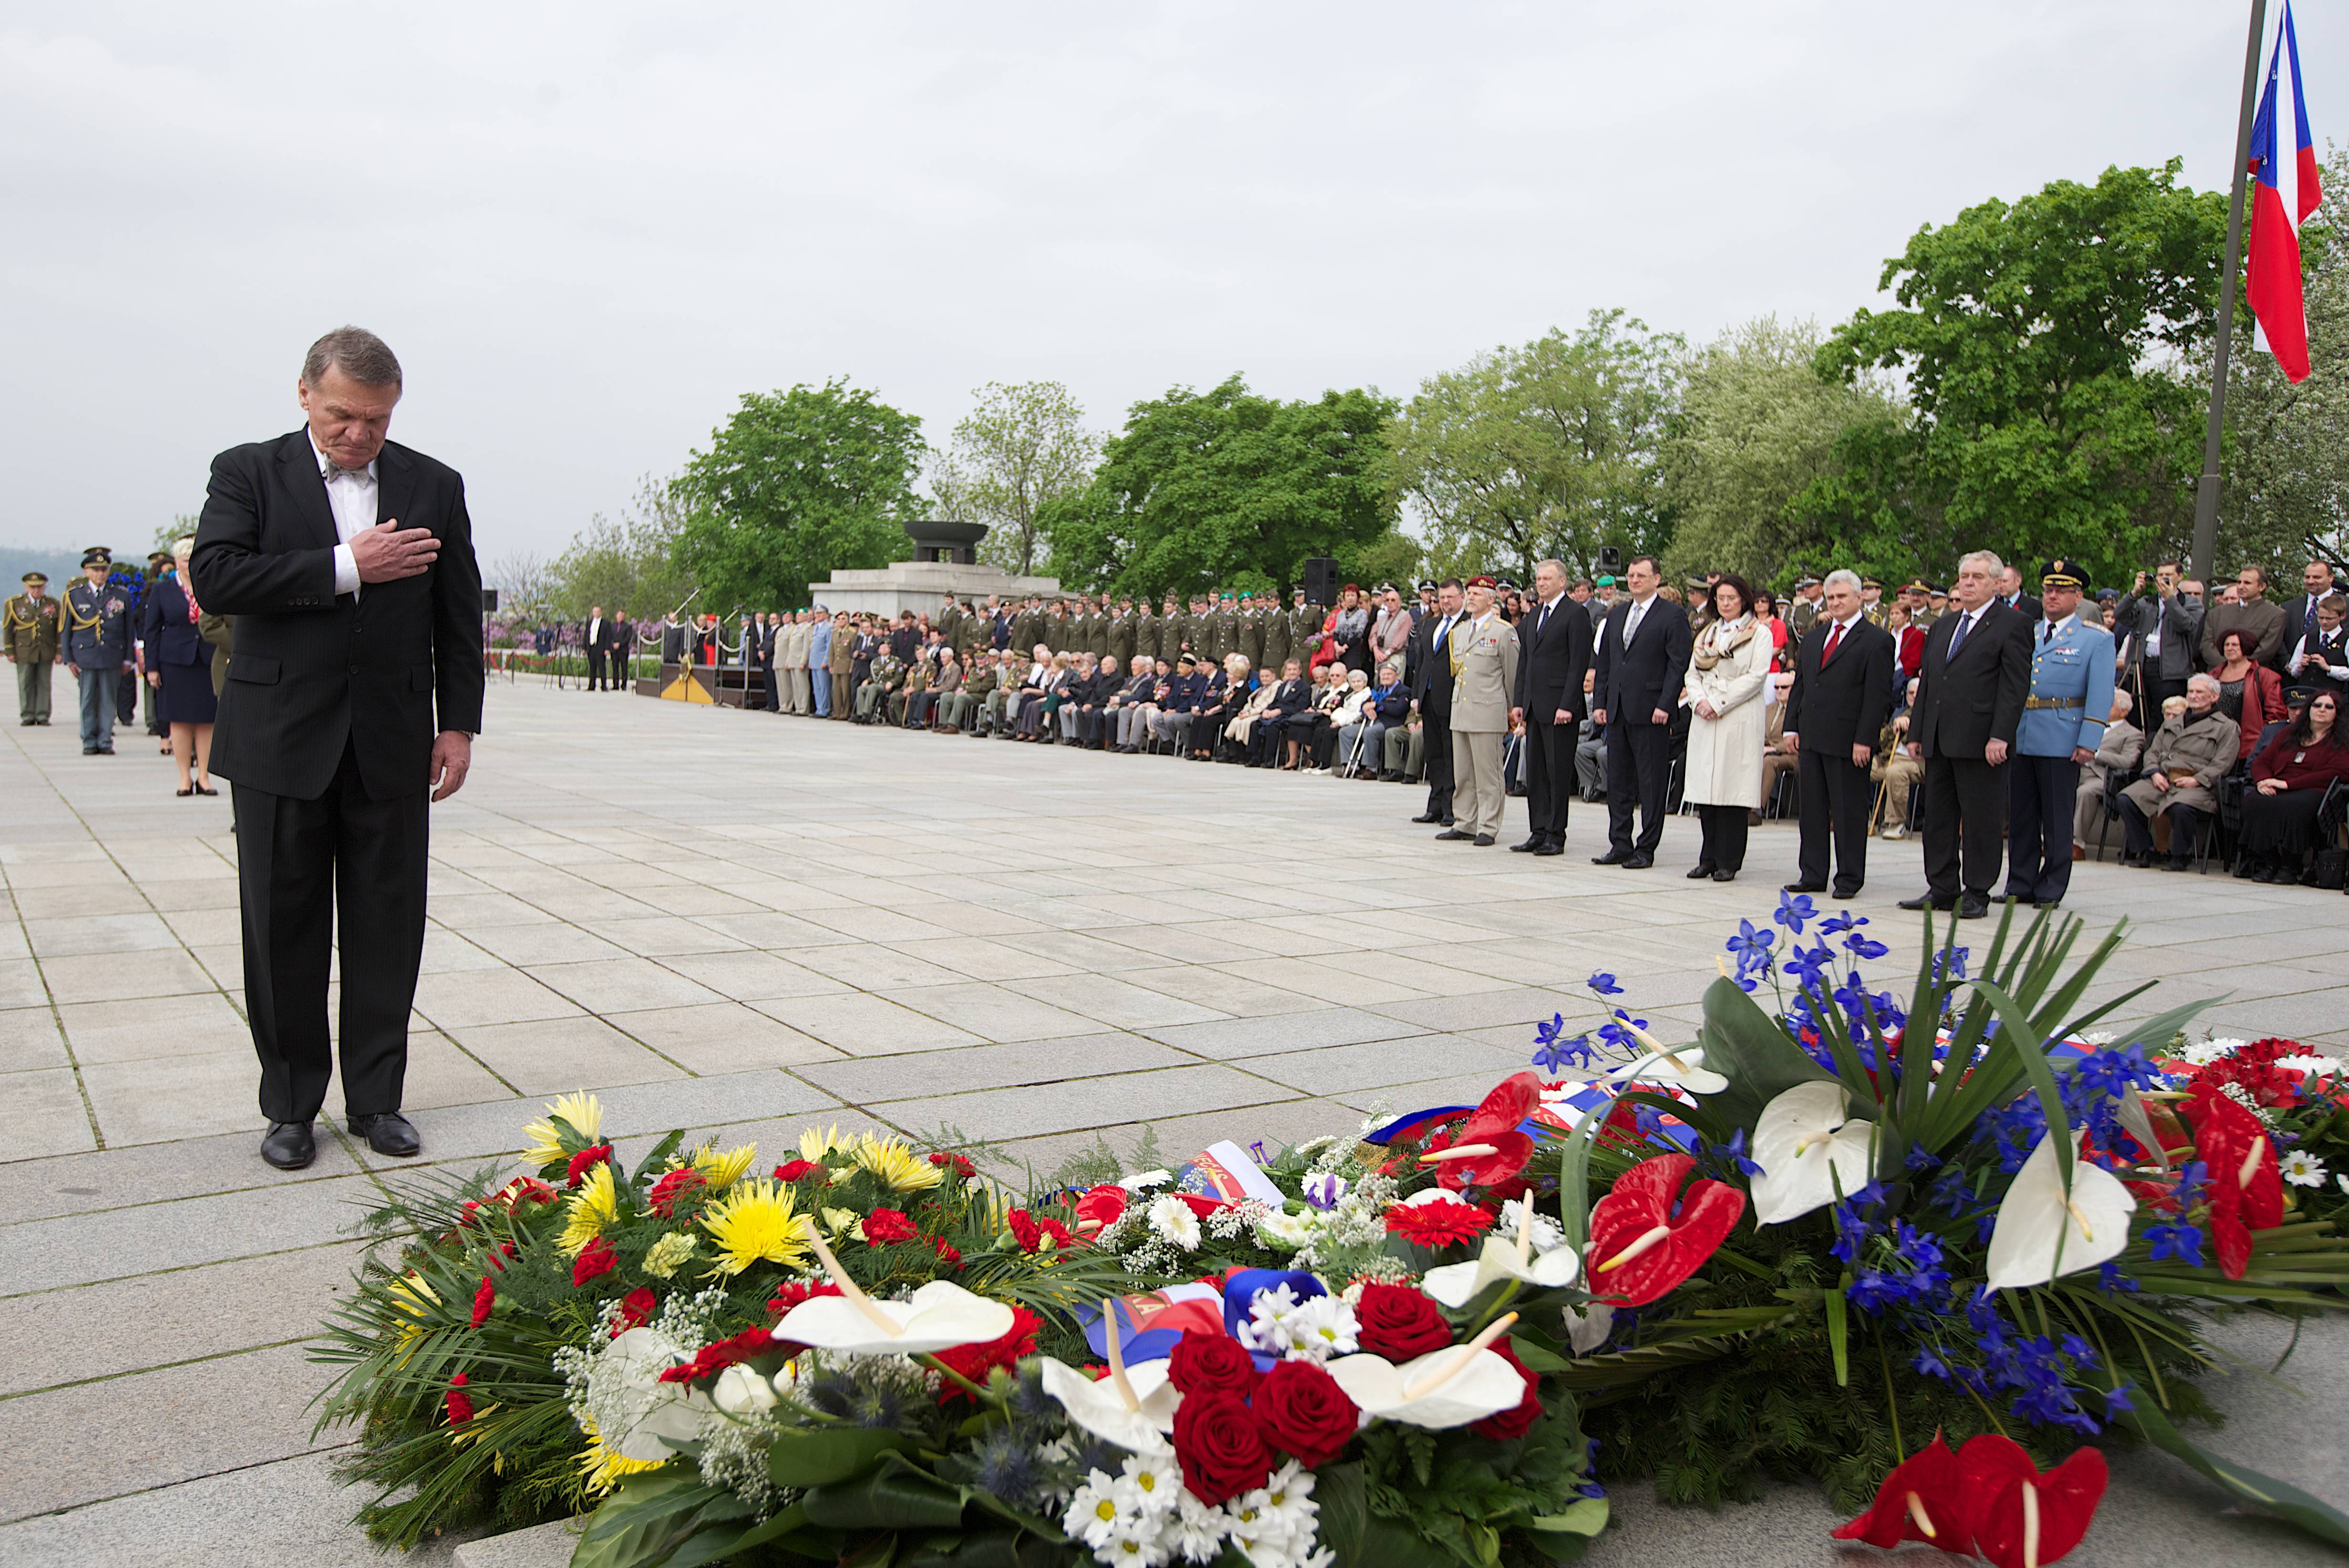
888 678
2289 778
1317 739
2118 752
962 709
1242 737
1088 693
1227 691
1778 759
916 685
2320 660
1125 717
2250 693
1406 748
921 711
1590 758
1177 702
2184 764
1894 770
1038 689
1361 742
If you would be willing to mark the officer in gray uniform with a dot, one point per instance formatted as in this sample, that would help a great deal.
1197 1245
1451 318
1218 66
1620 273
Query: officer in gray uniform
2062 725
96 644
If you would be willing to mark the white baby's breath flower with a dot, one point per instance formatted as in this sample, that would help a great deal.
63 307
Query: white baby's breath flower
2303 1169
1173 1222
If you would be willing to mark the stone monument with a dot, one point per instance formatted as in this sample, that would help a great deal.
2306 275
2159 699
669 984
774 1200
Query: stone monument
944 561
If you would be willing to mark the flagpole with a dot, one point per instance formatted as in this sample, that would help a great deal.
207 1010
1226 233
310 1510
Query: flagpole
2206 491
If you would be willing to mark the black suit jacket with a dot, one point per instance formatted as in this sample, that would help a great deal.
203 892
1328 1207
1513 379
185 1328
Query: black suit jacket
2028 606
1846 702
381 671
1431 671
1634 682
1964 705
172 639
1550 668
1289 698
2297 624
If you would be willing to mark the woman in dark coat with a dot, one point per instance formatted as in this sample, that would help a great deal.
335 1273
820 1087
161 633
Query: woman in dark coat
180 666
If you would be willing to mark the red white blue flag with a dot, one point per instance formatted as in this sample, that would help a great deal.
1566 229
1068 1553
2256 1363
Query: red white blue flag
2284 191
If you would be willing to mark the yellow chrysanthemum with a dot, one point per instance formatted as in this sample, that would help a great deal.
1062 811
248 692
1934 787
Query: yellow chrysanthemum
896 1165
815 1144
670 1254
584 1112
721 1171
595 1205
756 1222
601 1467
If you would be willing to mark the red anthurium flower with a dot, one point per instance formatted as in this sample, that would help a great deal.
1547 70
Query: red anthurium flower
2246 1187
1639 1248
1921 1499
1493 1124
2020 1518
1100 1208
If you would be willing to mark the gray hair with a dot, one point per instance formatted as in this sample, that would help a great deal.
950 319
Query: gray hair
1844 577
358 353
183 547
2206 681
1555 565
2122 700
1984 556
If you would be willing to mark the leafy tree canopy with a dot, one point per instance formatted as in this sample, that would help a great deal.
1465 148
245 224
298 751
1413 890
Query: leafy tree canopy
1019 449
796 485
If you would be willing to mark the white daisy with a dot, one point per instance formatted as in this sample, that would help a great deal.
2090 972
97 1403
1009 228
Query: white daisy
2210 1050
1173 1220
1195 1530
1093 1514
1322 1327
2303 1169
1147 1180
1150 1484
1257 1529
1290 1497
1136 1539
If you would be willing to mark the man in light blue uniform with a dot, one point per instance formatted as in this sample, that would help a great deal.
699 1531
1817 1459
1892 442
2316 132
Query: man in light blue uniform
819 663
2062 723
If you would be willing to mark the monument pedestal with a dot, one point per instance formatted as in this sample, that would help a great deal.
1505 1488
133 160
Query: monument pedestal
944 561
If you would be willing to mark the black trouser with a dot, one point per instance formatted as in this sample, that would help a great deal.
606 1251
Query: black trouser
1835 800
1725 836
775 692
1639 756
1549 756
310 871
1965 825
2136 830
596 678
1436 754
2043 792
2152 691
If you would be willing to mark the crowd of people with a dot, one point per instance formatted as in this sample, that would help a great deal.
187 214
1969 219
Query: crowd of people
1998 725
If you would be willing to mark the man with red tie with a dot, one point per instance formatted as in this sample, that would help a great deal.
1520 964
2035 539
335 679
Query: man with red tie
1835 712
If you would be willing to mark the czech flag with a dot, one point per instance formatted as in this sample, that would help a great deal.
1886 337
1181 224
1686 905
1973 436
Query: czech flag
2283 193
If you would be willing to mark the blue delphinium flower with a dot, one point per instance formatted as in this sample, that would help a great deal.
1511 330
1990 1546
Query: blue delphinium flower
1555 1055
1808 967
1751 944
2115 1072
2117 1402
2111 1281
1734 1152
1794 909
2181 1241
1866 947
1615 1033
1604 984
1919 1158
1929 1361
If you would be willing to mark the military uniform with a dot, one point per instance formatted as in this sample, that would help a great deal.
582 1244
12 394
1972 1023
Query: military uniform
949 624
1803 613
1276 649
1120 639
1248 631
1223 636
96 644
1879 612
1055 634
887 675
1174 631
29 633
1304 631
2071 698
1027 631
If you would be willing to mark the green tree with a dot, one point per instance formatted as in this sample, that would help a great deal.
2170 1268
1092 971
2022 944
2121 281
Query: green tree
796 485
1020 448
1757 426
2042 343
629 563
1547 449
1225 488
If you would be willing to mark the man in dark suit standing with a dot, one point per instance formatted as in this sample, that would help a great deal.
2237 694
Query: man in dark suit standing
1969 705
620 642
2300 614
347 562
1642 658
1431 699
1549 703
595 637
2011 594
1836 710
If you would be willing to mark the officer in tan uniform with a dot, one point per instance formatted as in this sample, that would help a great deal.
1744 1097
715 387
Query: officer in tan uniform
1484 682
28 639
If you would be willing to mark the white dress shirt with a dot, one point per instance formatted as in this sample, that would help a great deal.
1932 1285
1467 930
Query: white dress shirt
351 497
1631 620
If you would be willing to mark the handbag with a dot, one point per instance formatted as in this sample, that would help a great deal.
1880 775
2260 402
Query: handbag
2331 869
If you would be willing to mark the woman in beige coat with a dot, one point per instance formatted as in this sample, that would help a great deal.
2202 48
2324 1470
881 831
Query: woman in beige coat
1728 671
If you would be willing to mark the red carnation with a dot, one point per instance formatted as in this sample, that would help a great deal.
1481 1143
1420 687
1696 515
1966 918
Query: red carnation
882 1226
523 1190
1300 1408
955 1162
948 1256
716 1356
978 1362
637 1308
586 1160
1445 1222
595 1259
1514 1423
498 1259
461 1404
1216 1444
1101 1208
790 1294
483 1300
794 1170
666 1191
1203 1363
1400 1323
1029 1231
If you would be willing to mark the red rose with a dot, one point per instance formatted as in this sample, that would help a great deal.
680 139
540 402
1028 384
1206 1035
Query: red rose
637 1308
1514 1423
1215 1443
483 1299
596 1258
1300 1409
586 1160
792 1170
1101 1208
976 1362
673 1186
1203 1363
461 1404
882 1226
1399 1323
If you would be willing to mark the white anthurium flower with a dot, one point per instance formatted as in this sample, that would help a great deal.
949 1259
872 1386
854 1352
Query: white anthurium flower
1457 1284
740 1391
2088 1224
639 1416
1101 1410
1806 1146
938 1316
1484 1386
1681 1068
1587 1328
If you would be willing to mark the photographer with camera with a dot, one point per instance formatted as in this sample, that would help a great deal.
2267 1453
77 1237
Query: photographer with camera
2165 628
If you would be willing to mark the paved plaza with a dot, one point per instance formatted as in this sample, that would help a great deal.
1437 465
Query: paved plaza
737 924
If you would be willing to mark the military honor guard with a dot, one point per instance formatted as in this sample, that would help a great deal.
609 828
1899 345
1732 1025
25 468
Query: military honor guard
96 644
30 630
1484 660
2063 723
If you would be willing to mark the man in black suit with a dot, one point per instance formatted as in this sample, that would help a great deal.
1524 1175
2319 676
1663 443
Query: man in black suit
1642 658
347 562
619 641
1549 703
2300 615
1841 696
1969 705
1431 697
2011 594
595 638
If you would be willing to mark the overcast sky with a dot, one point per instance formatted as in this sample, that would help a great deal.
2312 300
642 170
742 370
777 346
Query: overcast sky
587 228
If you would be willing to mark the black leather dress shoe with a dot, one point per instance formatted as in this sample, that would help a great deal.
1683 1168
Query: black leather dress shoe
1612 857
1455 834
1638 862
1847 893
1724 876
1927 901
289 1145
1972 906
1550 847
1531 846
1483 840
387 1132
1427 817
1701 871
1804 887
